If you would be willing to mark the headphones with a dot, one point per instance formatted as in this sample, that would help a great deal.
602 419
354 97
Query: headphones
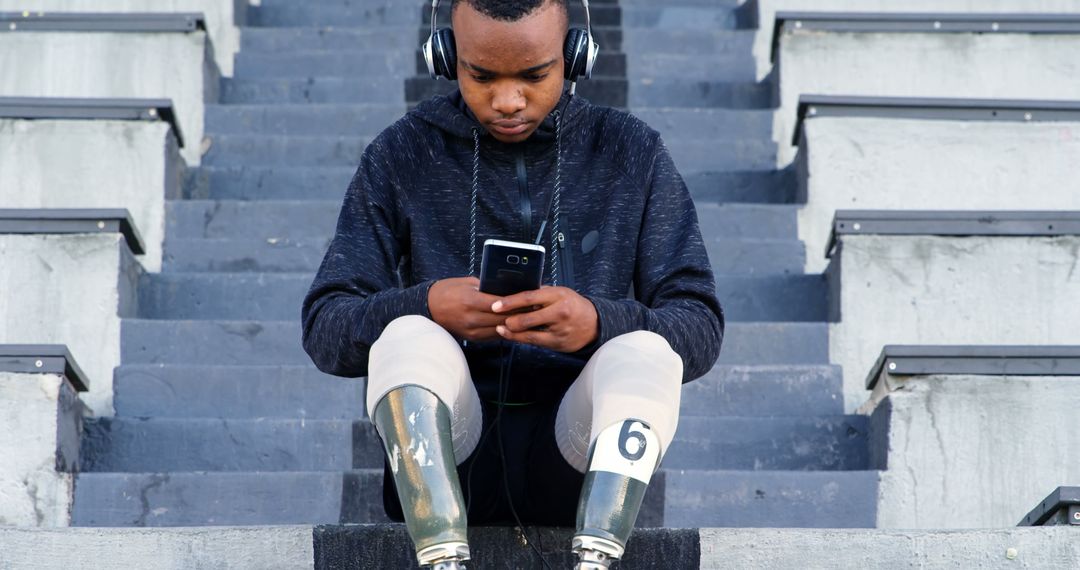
579 50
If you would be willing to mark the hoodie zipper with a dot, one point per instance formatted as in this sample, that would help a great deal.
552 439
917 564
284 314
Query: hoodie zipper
566 256
526 200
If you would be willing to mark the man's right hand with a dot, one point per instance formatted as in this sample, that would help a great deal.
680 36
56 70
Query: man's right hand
458 306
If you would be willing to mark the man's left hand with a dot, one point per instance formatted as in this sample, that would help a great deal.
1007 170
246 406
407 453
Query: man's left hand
569 320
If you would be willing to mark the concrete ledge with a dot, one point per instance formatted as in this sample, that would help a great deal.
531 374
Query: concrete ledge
159 65
42 359
27 21
1062 507
967 64
91 109
60 221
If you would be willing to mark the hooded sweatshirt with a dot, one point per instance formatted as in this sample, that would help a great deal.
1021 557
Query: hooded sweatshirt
627 238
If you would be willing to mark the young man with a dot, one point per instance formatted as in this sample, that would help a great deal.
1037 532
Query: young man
581 379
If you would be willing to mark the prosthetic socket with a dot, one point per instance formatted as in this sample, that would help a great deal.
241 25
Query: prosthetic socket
415 429
621 463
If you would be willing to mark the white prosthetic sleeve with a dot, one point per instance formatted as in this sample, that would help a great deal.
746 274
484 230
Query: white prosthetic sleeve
415 351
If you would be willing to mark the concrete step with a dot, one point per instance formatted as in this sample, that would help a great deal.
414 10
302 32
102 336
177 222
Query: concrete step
687 41
769 186
328 38
785 499
379 89
690 123
252 219
664 17
813 499
227 498
748 256
705 66
784 390
268 183
693 155
364 14
697 93
748 221
278 343
773 297
288 255
352 63
122 444
253 391
301 119
280 149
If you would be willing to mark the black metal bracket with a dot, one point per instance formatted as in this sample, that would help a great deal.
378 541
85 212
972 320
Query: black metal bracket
92 109
916 360
35 21
42 359
927 23
85 221
933 109
952 223
1062 507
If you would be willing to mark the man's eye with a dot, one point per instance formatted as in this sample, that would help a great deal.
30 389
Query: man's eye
481 78
536 78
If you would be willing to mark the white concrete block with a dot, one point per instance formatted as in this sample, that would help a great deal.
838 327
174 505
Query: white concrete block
974 66
40 424
221 17
116 65
928 290
73 290
222 548
93 164
860 163
975 451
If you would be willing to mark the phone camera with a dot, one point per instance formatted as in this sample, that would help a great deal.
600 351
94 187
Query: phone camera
513 260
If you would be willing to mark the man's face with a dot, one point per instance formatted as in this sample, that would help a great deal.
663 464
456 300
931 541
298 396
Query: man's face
510 73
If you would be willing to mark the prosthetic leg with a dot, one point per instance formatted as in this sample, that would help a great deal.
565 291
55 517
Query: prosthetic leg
621 462
415 429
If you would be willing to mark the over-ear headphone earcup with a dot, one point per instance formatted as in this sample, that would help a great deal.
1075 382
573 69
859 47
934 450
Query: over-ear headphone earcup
576 53
444 53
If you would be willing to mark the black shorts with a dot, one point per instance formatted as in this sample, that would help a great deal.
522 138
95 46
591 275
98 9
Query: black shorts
544 488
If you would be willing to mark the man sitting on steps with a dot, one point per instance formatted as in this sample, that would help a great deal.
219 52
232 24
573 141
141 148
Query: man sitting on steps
580 380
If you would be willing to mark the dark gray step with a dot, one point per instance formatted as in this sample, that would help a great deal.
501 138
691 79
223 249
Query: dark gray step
674 123
762 186
773 297
278 342
738 66
609 91
251 219
821 499
171 391
328 38
215 499
379 89
221 296
268 183
289 255
722 154
753 256
302 119
365 14
788 390
687 41
664 17
808 499
689 92
282 149
387 63
748 221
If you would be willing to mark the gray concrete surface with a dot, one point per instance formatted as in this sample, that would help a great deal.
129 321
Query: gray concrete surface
219 548
93 164
941 290
910 164
221 17
73 290
975 451
986 66
1043 548
119 65
40 424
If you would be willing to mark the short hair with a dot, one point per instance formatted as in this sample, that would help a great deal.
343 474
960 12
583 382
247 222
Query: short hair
509 10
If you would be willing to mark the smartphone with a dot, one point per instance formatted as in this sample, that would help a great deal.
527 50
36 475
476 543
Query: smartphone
510 267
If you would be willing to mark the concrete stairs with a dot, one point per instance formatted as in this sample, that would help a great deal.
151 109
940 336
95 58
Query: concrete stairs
222 419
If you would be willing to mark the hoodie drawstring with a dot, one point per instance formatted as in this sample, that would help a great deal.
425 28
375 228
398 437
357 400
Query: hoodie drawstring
473 270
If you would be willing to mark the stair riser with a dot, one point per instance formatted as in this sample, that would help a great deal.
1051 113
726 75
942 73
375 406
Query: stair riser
377 89
353 120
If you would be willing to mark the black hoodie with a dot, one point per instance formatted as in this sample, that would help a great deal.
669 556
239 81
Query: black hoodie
631 240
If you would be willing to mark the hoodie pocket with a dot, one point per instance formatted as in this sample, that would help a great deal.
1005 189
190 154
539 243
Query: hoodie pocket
566 253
